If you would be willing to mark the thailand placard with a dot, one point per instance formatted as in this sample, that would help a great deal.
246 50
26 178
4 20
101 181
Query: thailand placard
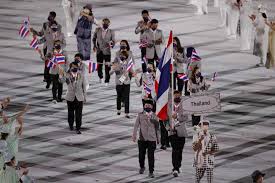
202 104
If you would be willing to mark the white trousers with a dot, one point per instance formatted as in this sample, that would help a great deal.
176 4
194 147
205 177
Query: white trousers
69 15
202 7
246 31
234 17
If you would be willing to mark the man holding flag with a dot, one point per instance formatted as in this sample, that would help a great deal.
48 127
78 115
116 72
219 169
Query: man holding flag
162 84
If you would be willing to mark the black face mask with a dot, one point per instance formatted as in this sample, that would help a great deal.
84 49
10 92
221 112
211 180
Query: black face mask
122 58
50 19
149 70
54 29
147 109
105 26
177 100
198 74
76 61
123 47
74 70
58 46
154 28
145 19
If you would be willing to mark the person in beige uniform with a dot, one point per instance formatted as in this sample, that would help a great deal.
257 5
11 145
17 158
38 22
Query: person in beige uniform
148 126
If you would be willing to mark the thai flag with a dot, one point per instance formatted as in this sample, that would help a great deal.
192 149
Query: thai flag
195 57
59 59
130 64
183 77
92 67
34 43
163 78
52 63
24 29
146 88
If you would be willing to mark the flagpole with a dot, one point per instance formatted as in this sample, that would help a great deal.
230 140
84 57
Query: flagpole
172 81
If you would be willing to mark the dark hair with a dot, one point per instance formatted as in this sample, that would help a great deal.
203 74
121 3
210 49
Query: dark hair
145 11
79 55
106 19
154 21
264 15
177 92
127 44
189 52
4 136
193 77
53 14
179 47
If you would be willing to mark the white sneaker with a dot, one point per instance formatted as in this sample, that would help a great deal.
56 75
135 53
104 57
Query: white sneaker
232 37
70 34
54 101
106 84
175 173
259 65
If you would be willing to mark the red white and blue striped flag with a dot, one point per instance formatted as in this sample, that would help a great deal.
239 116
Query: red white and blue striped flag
92 67
195 57
130 64
59 59
146 88
163 78
34 43
24 29
183 77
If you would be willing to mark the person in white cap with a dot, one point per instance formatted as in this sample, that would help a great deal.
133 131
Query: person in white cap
205 145
69 7
261 37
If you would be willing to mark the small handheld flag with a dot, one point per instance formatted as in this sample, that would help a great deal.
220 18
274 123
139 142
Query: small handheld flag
183 77
34 43
130 65
92 67
59 59
24 29
146 88
195 57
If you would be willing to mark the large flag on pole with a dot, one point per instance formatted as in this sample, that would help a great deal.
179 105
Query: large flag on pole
163 78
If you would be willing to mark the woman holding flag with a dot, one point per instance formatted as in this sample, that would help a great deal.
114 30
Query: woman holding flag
178 65
122 67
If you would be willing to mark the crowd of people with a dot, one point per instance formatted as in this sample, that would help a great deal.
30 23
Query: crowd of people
186 79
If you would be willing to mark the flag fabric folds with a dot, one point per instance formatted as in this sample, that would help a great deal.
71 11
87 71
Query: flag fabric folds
24 29
163 78
183 77
34 43
92 67
195 57
130 65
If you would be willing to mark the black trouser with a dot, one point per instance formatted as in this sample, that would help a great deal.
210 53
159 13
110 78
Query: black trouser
57 86
186 93
47 77
178 82
150 146
195 120
152 61
75 112
143 55
100 57
177 144
123 95
164 140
